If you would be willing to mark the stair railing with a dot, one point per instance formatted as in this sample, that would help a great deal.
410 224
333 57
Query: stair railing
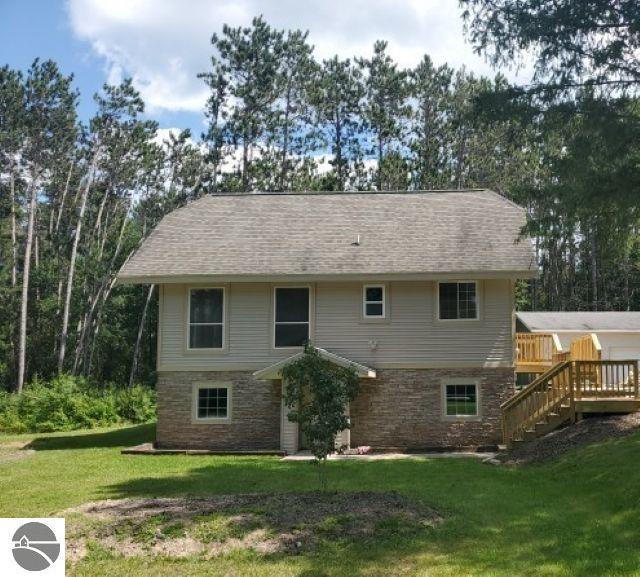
546 394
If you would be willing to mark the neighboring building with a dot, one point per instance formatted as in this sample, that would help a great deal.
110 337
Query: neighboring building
415 289
618 332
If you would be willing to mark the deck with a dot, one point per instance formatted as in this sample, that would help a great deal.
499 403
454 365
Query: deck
568 384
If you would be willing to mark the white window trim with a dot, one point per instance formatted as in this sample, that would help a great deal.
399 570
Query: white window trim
365 302
308 322
222 324
457 320
461 381
194 402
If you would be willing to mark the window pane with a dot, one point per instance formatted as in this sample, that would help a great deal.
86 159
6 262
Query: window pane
461 400
291 335
467 300
374 294
292 304
212 403
206 306
205 337
448 299
373 310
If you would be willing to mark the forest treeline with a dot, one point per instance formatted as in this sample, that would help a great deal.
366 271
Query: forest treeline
78 196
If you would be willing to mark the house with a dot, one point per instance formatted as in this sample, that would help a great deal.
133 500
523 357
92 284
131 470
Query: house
617 333
415 290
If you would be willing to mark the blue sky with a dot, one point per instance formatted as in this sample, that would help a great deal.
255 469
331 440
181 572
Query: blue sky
42 28
163 44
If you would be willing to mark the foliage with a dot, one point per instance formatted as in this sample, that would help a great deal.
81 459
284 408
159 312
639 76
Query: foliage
77 198
318 392
583 115
593 42
68 403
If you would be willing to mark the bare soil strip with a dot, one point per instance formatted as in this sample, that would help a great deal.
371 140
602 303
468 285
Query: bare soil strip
280 523
586 432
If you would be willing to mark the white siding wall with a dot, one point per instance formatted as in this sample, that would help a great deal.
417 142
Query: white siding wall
411 337
615 346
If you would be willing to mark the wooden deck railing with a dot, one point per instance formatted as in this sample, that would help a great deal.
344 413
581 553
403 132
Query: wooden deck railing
546 393
606 379
538 350
561 386
586 348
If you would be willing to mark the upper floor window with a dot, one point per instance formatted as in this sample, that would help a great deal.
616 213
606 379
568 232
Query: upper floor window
373 301
206 318
458 300
291 316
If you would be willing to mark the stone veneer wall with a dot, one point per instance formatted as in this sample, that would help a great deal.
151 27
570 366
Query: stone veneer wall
255 411
403 408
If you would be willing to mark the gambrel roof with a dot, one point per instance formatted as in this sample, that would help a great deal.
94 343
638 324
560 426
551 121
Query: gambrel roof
357 235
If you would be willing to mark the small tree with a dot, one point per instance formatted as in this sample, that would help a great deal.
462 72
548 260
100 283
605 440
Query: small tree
317 391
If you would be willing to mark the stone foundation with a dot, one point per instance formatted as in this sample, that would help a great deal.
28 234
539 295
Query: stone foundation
404 409
400 409
255 413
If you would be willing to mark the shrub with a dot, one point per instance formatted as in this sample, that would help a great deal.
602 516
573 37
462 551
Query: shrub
68 403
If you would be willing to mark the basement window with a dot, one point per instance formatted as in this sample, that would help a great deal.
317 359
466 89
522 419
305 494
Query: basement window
461 400
206 318
373 305
458 300
211 402
291 316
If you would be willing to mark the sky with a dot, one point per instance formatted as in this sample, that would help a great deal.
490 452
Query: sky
163 44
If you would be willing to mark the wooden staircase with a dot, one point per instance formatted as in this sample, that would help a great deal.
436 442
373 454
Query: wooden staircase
540 407
578 382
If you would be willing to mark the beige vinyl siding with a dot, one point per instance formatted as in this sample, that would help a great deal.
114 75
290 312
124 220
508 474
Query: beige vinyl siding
411 336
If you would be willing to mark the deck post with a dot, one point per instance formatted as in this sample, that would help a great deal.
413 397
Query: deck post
635 379
572 392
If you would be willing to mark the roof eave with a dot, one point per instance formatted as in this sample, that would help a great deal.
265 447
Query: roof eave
285 277
273 372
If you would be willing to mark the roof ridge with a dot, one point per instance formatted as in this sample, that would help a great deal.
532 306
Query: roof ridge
346 192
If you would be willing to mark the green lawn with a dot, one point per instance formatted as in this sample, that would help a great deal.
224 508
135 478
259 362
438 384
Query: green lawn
579 516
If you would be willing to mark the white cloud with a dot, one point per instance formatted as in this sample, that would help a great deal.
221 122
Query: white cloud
163 44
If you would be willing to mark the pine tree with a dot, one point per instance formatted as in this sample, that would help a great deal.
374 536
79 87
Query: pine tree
385 105
336 99
50 116
249 59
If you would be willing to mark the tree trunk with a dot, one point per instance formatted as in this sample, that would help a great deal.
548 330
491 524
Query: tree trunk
379 171
285 144
136 350
64 195
103 202
338 144
22 345
461 158
594 268
72 267
14 242
109 277
245 164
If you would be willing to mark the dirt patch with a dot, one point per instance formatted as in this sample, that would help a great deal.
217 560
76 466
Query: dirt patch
280 523
588 431
14 451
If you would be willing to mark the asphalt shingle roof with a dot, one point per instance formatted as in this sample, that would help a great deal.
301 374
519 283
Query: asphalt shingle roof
581 321
268 234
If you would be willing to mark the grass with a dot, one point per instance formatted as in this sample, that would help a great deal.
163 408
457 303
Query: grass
579 516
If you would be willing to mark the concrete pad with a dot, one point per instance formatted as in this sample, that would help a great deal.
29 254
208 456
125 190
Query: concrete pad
149 449
307 456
